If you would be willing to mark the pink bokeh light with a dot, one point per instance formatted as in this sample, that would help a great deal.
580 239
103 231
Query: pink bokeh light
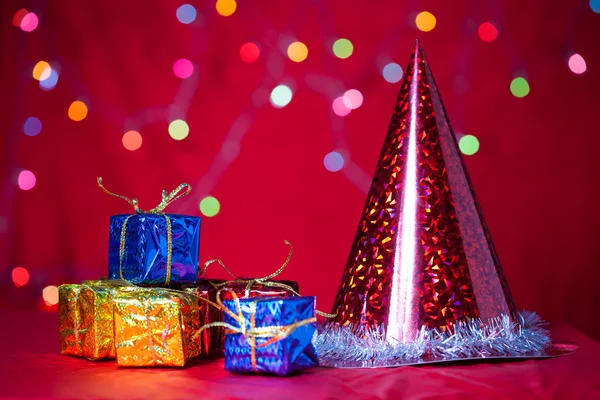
183 68
26 180
339 108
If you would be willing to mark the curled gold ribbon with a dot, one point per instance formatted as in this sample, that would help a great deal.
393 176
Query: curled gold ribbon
263 281
248 327
167 198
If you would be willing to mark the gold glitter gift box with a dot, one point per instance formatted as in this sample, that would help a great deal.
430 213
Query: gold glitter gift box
155 327
86 319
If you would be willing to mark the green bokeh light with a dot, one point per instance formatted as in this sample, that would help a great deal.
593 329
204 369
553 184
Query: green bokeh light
343 48
468 145
210 206
519 87
179 129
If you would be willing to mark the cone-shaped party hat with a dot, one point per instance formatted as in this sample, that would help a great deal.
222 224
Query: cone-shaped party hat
422 264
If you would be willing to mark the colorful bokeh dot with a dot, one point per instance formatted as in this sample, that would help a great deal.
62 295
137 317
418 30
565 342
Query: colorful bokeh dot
29 22
186 13
249 52
50 295
18 17
226 7
333 161
468 145
281 96
353 99
392 72
41 71
77 111
183 68
425 21
179 129
343 48
26 180
209 206
577 64
487 32
297 52
50 82
132 140
519 87
339 107
32 126
20 276
595 6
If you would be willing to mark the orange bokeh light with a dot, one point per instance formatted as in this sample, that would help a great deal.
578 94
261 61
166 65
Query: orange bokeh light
132 140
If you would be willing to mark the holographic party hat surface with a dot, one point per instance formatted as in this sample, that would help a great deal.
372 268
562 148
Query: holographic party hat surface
422 256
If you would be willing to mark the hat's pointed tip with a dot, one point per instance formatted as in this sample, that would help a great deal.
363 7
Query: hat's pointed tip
418 49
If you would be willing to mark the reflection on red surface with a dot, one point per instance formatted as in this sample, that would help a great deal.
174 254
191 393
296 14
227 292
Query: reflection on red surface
422 254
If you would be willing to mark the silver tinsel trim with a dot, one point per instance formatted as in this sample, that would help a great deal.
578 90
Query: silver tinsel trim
497 337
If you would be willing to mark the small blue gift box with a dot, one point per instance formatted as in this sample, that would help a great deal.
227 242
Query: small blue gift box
145 248
272 335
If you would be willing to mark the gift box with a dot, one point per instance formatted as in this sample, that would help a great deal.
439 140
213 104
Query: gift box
270 335
212 340
154 249
155 326
85 315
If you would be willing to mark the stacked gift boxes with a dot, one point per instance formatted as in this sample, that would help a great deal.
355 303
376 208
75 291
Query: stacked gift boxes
153 311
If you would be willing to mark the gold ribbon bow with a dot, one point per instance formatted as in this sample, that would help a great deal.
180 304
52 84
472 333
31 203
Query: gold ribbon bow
249 329
167 198
263 281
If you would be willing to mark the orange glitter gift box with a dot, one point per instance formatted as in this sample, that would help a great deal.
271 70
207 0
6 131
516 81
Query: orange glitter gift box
86 319
155 327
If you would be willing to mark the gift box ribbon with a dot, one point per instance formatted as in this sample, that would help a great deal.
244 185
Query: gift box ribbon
167 198
263 281
249 329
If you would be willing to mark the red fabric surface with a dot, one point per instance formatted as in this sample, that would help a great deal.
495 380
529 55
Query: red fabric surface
31 366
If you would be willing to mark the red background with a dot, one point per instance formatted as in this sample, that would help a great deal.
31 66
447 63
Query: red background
535 172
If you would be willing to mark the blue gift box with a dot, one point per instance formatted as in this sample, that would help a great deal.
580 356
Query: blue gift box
294 352
145 256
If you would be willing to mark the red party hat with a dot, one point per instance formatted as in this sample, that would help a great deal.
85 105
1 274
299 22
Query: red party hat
422 259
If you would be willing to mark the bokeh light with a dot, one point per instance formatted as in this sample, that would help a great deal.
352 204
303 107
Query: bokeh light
343 48
183 68
281 96
26 180
249 52
50 295
339 107
209 206
18 17
519 87
179 129
468 145
32 126
226 7
20 276
41 71
577 64
77 111
186 13
425 21
595 6
392 72
132 140
50 82
297 52
487 32
29 22
352 99
333 161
